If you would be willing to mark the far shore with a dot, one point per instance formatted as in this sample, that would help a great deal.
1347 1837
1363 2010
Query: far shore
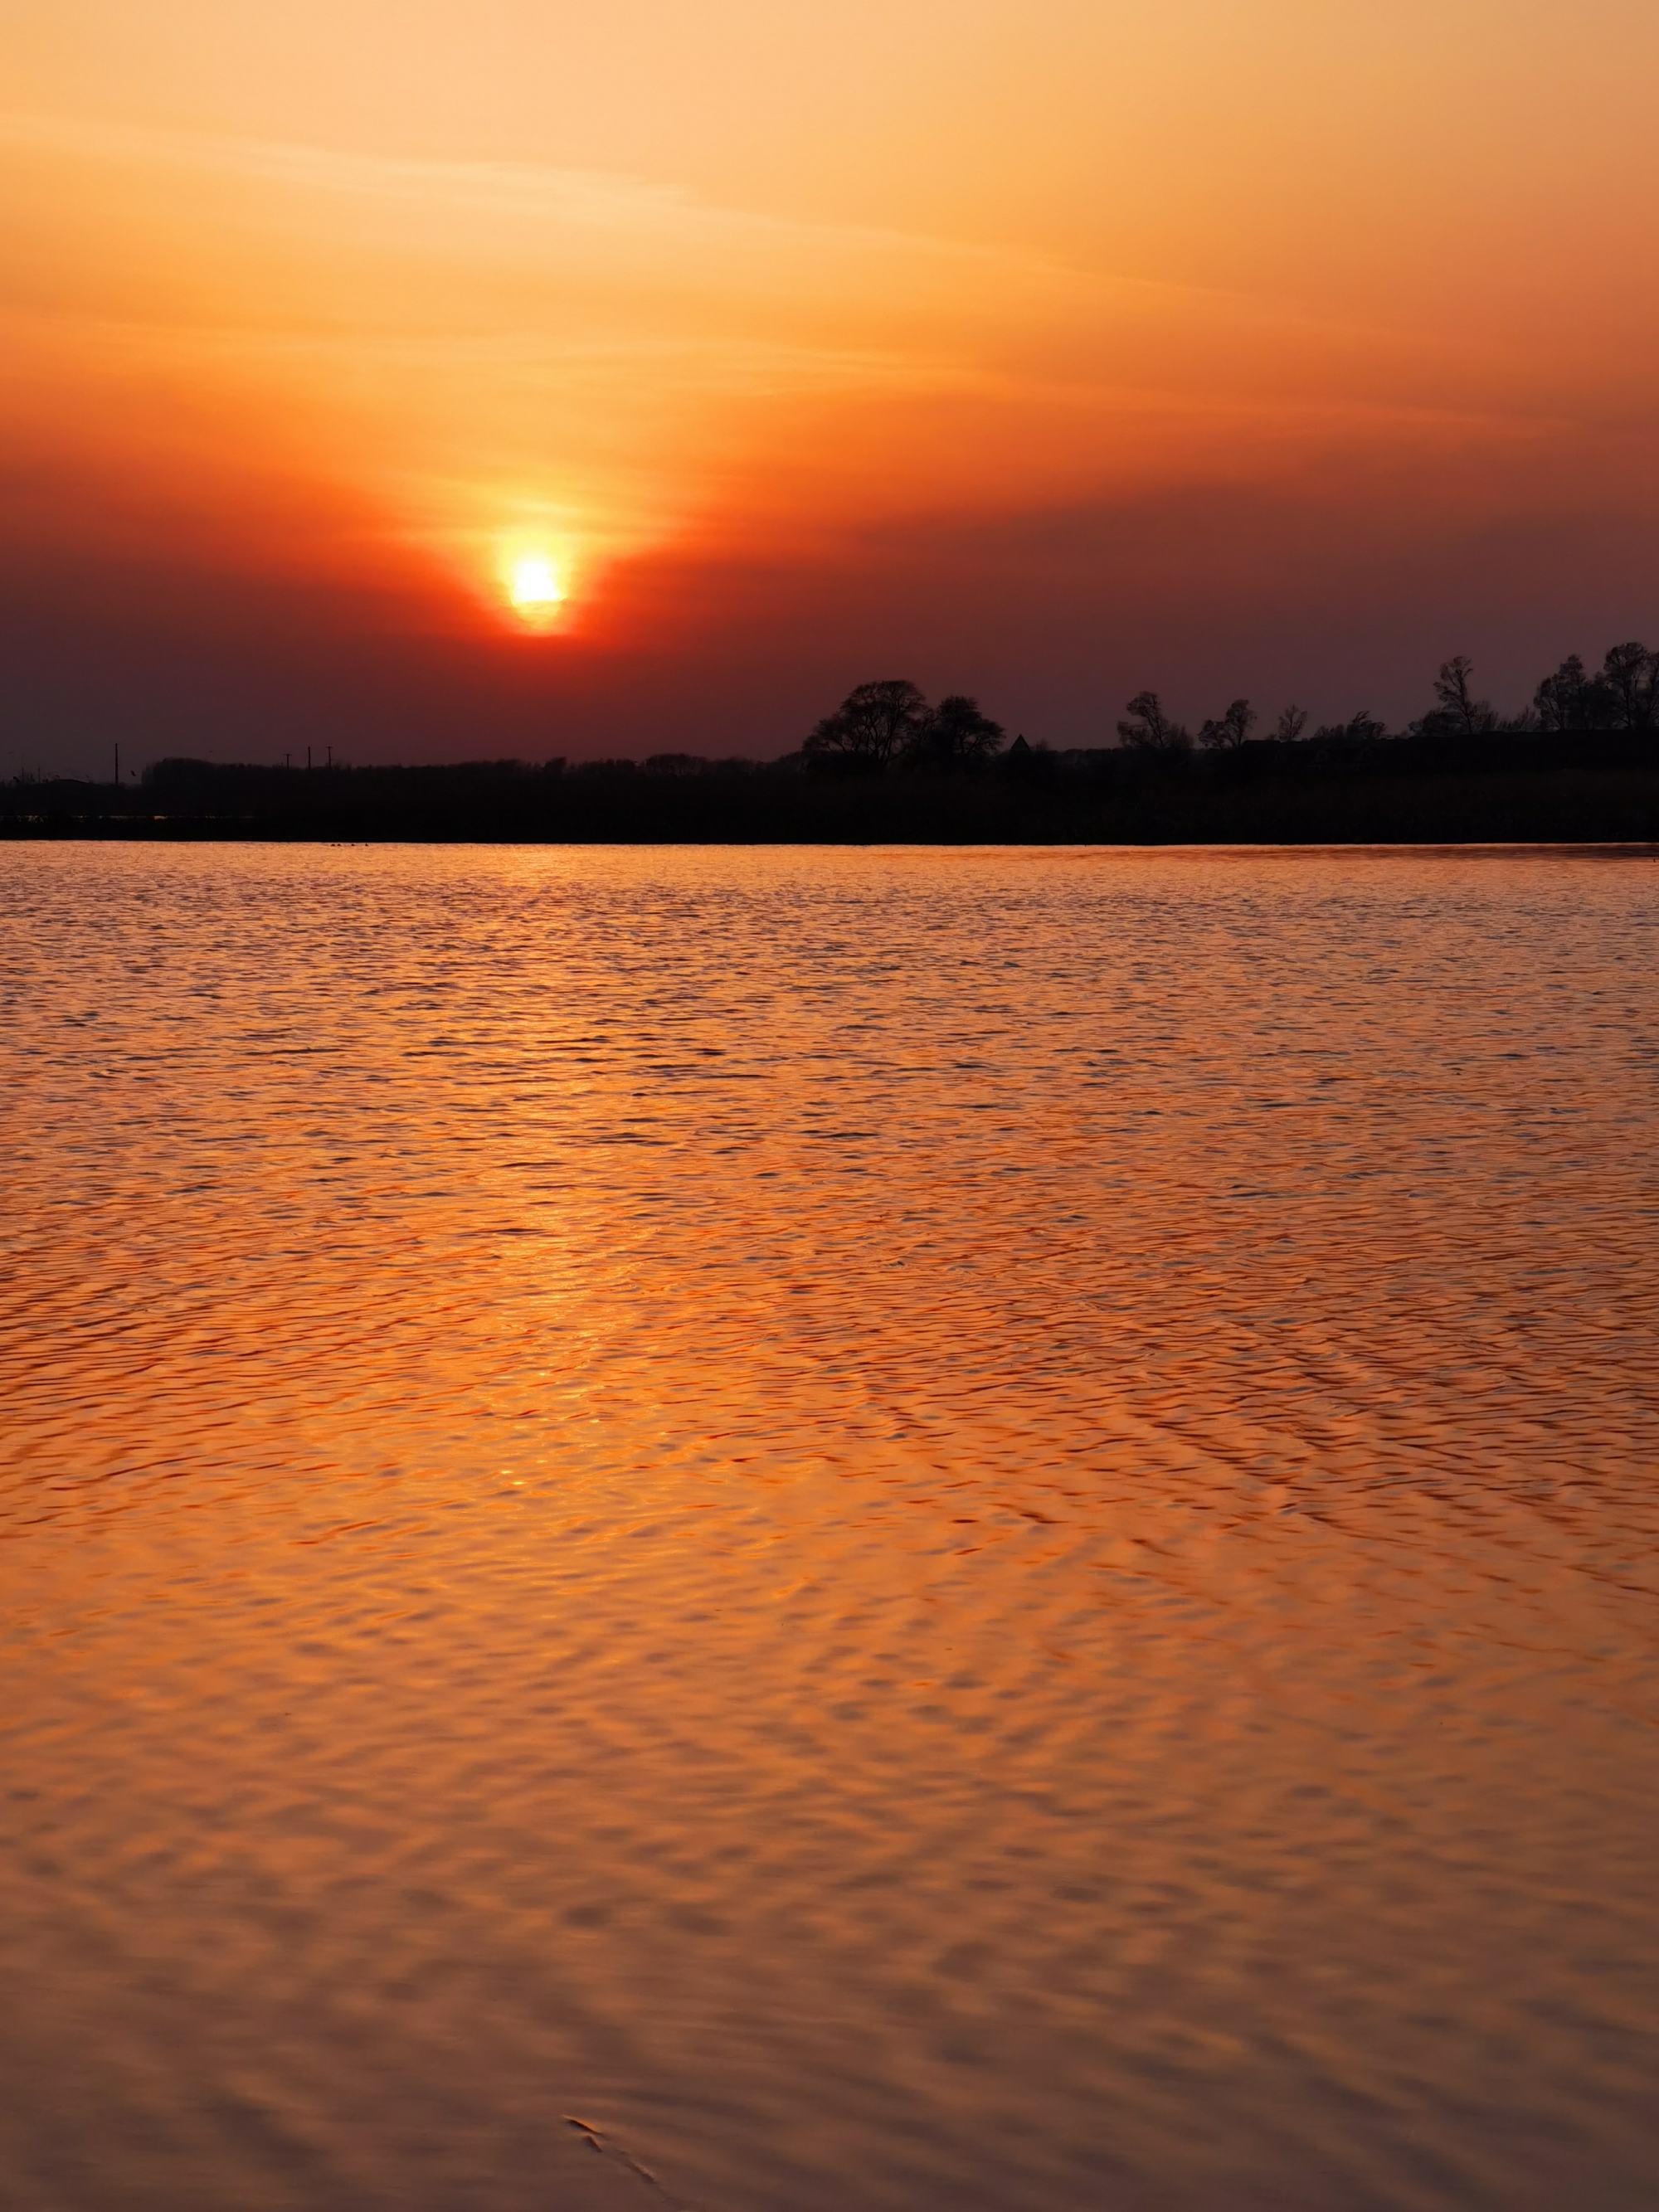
1507 788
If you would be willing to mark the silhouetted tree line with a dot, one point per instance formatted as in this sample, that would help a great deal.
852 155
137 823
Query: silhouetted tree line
1622 695
891 725
1582 761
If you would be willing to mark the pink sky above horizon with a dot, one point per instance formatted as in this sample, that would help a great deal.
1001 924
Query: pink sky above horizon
1043 351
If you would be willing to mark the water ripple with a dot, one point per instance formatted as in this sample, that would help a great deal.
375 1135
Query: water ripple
920 1530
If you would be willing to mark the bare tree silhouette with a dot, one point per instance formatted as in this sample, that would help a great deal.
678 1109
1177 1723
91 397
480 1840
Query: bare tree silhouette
1630 675
956 734
1231 730
1148 729
1568 699
1457 712
873 724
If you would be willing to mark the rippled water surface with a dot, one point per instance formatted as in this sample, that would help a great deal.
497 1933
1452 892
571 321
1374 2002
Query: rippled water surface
915 1530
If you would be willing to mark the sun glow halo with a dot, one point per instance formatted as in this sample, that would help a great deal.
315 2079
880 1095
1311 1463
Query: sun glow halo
535 588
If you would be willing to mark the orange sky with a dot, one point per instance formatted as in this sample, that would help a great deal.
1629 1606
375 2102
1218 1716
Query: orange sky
1046 350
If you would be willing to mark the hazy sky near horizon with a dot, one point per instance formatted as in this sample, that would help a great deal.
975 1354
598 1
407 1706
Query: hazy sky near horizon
1044 350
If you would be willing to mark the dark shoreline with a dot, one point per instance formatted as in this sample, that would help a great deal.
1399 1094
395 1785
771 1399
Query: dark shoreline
1505 788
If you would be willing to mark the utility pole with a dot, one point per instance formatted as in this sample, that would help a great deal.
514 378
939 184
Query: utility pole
117 767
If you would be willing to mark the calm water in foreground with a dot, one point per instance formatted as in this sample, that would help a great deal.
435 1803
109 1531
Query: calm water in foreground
924 1531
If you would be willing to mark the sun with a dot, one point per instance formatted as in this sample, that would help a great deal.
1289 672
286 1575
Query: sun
535 588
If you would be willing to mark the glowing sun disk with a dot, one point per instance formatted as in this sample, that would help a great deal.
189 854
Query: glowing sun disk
534 585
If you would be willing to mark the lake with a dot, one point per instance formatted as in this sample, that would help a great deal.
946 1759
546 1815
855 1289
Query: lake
911 1529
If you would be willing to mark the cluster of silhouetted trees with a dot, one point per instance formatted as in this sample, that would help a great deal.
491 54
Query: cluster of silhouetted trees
891 724
889 765
1623 693
879 725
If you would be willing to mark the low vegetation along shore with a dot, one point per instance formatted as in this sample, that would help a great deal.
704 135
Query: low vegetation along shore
888 766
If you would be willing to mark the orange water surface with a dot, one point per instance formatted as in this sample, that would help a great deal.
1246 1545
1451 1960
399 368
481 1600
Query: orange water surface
940 1532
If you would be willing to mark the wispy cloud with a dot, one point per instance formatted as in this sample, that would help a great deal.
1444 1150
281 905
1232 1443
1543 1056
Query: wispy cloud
457 339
